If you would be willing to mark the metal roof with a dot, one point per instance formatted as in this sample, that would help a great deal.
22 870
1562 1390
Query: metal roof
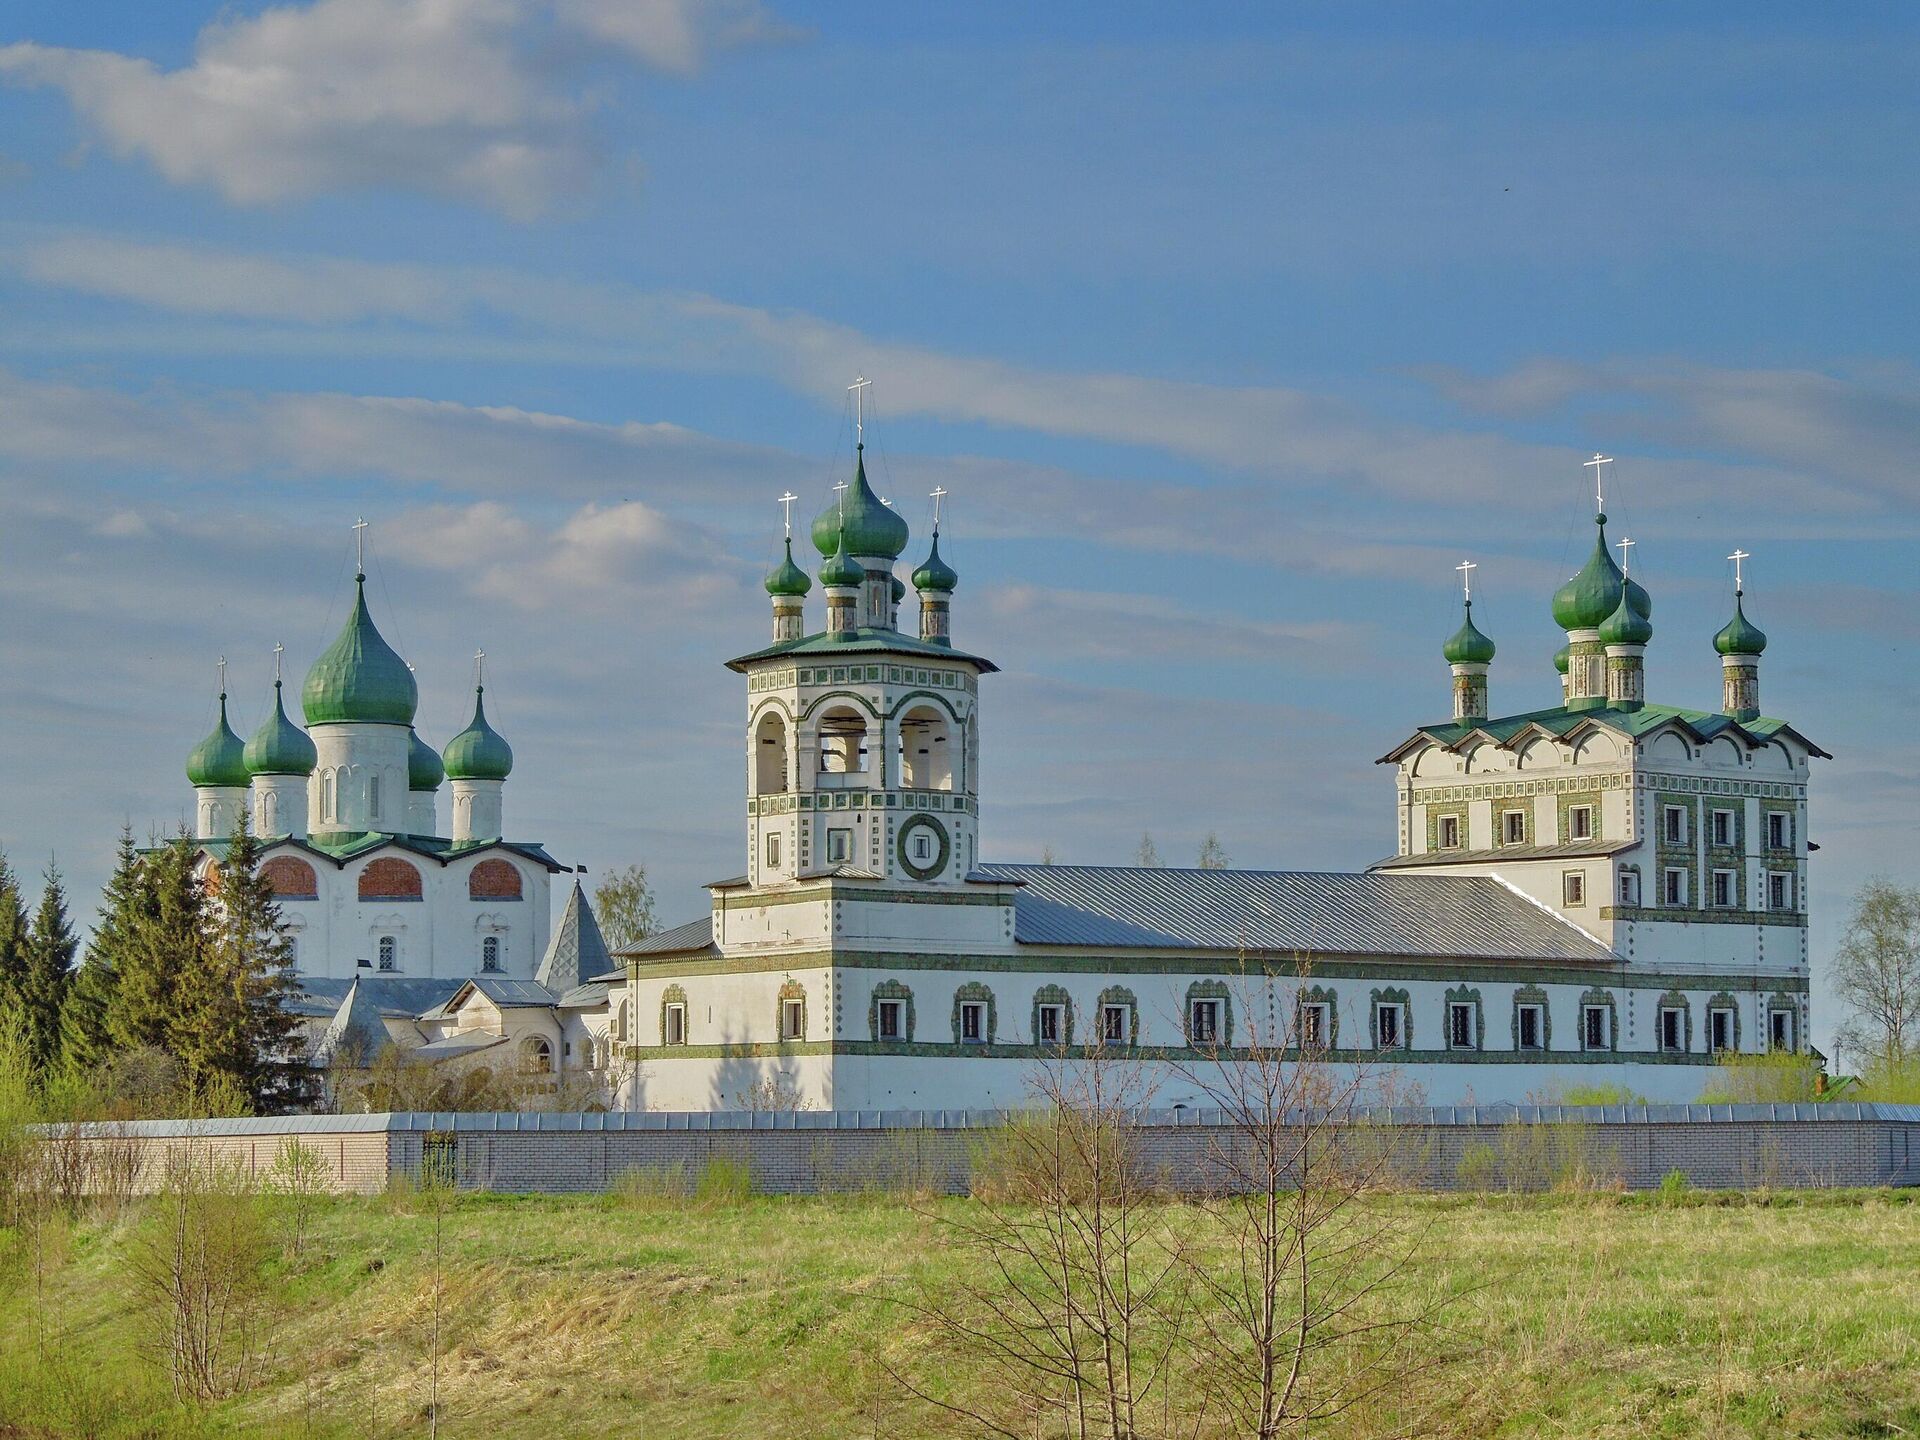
512 992
577 952
1572 850
395 995
694 935
1293 912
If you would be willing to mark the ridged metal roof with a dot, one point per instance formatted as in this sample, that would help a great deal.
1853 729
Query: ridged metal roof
694 935
1292 912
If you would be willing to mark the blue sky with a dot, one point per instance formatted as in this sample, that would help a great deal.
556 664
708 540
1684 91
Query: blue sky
1230 328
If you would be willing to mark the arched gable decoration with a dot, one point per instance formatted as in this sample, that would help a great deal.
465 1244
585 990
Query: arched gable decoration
390 878
290 878
494 879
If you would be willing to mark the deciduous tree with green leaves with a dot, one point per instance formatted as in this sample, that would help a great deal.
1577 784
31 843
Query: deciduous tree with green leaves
623 901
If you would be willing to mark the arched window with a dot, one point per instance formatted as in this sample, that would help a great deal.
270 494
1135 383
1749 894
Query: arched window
490 954
536 1056
389 878
326 796
290 878
269 814
926 750
388 950
494 880
843 743
373 797
770 754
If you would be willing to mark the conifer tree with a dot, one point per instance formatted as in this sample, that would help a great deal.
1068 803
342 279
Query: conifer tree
48 953
167 940
13 939
85 1040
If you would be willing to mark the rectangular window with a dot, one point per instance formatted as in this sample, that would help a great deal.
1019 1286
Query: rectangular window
1723 827
973 1021
1449 832
1780 1029
892 1018
1674 886
676 1023
1386 1025
922 846
1580 823
1513 827
1573 887
1313 1026
793 1019
1673 824
773 851
1203 1022
1113 1024
1531 1026
1780 891
389 953
1726 890
1673 1030
839 847
1593 1027
1629 888
1053 1024
1720 1029
1779 830
1460 1025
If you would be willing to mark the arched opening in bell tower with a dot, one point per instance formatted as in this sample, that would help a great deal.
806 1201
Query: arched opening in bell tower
770 754
843 747
926 749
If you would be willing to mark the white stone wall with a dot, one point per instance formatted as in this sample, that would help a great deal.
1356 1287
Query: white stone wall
366 766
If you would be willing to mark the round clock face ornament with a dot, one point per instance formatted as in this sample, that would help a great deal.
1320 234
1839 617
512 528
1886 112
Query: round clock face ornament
923 847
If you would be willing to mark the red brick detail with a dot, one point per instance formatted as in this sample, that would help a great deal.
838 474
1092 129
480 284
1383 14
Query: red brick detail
494 880
290 878
389 879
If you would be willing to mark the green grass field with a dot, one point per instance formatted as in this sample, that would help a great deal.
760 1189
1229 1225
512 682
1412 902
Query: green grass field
1587 1316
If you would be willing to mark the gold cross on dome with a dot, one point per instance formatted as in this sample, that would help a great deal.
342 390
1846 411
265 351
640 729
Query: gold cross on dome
1466 569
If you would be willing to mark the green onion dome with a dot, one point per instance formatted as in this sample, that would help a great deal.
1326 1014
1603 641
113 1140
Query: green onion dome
478 752
897 587
869 526
424 770
359 677
935 574
220 759
1562 658
1468 646
1637 596
1626 626
280 747
1740 636
841 568
787 578
1585 601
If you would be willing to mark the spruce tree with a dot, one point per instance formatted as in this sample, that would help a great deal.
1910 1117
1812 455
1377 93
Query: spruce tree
167 940
85 1041
13 940
48 970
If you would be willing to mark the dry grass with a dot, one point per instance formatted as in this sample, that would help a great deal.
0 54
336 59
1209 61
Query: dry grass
1589 1316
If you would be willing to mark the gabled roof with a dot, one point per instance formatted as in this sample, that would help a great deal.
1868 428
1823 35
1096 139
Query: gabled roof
397 997
507 994
356 1027
867 640
576 953
340 846
590 996
1261 912
1562 723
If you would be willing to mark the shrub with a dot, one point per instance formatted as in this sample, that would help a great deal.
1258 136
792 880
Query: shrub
651 1187
1778 1077
1674 1188
1479 1167
723 1180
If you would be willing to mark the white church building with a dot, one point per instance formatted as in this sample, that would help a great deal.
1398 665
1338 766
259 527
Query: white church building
1604 892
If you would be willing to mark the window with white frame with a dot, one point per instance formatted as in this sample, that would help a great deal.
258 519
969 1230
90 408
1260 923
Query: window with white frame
1779 830
1513 827
839 847
326 796
891 1018
1449 828
1203 1022
1780 890
1673 886
1530 1026
973 1022
490 954
676 1022
1389 1024
388 951
1629 887
1051 1024
1460 1026
1673 824
1673 1029
922 846
1580 822
1780 1029
1720 1029
793 1019
1113 1024
1723 827
773 850
1314 1028
1726 890
1573 887
1594 1023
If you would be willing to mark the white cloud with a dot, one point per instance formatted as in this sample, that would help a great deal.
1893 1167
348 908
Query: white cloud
449 97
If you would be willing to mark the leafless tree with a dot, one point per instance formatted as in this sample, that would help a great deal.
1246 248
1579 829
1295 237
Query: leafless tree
1876 973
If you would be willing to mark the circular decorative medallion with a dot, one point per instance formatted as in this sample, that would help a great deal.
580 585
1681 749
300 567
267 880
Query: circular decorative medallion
942 847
